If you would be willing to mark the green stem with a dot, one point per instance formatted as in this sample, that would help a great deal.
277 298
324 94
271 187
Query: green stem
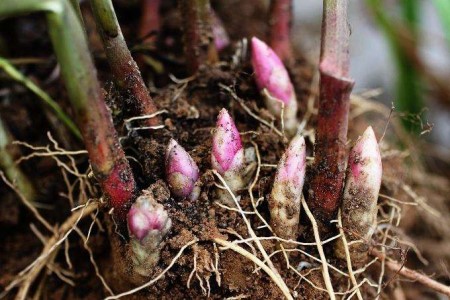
19 77
77 9
11 169
107 158
123 67
410 10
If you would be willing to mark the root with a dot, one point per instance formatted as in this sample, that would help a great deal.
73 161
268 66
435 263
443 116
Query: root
249 227
254 237
40 151
94 264
249 111
325 273
197 275
27 276
27 203
380 280
313 258
252 185
348 259
274 276
130 128
215 267
400 269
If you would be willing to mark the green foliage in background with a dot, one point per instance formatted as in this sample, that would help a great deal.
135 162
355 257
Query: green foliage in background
443 9
409 98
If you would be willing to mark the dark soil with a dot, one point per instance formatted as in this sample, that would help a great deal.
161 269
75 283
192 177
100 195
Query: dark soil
192 107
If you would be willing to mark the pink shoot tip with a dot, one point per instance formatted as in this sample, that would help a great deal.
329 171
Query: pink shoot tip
229 159
148 224
285 197
227 150
270 72
365 162
274 83
291 167
221 38
145 218
181 171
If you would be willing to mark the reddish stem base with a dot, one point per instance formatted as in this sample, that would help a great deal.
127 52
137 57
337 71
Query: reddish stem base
280 28
330 150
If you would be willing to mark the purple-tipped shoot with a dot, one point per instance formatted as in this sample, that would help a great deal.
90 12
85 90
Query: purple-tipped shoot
359 204
148 223
285 197
227 152
274 83
181 172
228 157
220 35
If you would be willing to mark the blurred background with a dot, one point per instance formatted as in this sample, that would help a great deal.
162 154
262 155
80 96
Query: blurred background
401 47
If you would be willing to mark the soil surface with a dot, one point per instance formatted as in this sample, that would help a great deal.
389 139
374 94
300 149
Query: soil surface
191 105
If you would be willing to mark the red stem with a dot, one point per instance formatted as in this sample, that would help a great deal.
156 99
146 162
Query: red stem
69 40
198 36
332 123
148 25
123 67
107 158
280 28
150 20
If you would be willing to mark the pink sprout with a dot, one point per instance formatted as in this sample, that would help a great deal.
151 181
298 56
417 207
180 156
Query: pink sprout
221 38
293 163
227 151
365 160
181 170
144 218
270 72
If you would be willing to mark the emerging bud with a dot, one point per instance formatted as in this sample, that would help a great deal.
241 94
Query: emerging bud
227 151
285 197
181 172
359 204
221 38
228 156
148 223
273 81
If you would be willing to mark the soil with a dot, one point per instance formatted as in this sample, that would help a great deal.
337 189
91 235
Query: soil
191 108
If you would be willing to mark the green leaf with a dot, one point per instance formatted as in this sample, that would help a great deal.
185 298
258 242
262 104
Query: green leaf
19 77
443 10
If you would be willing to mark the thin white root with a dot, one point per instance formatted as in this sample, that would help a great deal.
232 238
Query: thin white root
325 273
380 279
91 257
27 203
400 269
27 276
248 110
348 259
249 226
276 279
